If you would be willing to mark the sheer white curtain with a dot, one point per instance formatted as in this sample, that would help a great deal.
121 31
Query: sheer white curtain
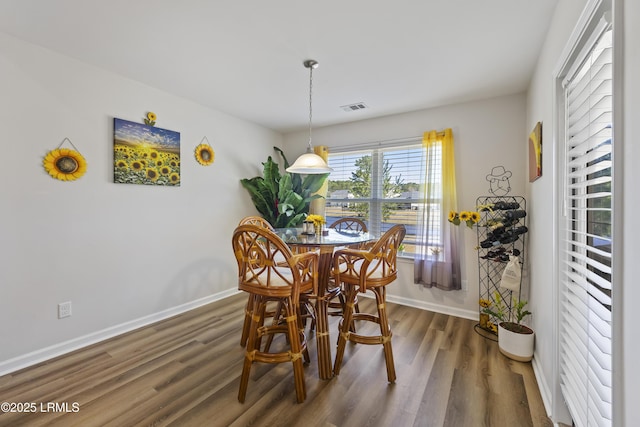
437 261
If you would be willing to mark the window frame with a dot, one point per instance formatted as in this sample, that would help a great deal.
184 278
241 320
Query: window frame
376 201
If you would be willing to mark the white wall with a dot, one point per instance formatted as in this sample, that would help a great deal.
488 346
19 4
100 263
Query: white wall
118 252
486 133
540 107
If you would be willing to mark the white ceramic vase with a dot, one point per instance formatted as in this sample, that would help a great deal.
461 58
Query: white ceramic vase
515 345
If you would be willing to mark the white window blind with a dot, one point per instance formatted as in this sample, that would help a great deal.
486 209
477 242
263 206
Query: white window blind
381 185
586 234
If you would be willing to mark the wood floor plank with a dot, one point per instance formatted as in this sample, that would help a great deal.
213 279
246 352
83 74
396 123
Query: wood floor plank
185 371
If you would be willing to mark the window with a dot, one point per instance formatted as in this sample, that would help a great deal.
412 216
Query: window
585 243
383 186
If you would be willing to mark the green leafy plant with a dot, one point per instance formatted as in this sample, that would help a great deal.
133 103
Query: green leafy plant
499 310
520 314
283 199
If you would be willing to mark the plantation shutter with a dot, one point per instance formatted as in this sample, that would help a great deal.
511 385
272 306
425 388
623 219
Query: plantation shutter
586 234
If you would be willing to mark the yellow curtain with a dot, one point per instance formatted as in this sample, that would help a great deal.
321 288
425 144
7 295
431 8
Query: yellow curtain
318 206
437 263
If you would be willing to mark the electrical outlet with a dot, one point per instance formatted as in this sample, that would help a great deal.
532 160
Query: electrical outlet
64 309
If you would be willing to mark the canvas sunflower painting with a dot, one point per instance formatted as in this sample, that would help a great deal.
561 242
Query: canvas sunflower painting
145 154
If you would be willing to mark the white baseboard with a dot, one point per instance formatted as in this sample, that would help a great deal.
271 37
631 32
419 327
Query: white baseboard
437 308
56 350
545 391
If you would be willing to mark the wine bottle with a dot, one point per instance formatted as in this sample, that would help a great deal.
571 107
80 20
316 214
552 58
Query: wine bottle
520 230
515 214
500 227
488 243
507 237
495 235
513 232
502 206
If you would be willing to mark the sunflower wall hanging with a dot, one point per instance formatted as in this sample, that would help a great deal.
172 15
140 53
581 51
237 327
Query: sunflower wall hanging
65 164
204 153
150 120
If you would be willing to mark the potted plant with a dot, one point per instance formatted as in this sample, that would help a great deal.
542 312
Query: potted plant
283 199
515 340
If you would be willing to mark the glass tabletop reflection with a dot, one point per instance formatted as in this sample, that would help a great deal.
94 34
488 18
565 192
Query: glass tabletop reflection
330 237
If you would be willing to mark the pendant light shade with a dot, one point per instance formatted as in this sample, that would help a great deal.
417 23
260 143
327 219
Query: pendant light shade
310 163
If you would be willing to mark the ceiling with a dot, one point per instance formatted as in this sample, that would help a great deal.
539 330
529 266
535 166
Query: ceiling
244 57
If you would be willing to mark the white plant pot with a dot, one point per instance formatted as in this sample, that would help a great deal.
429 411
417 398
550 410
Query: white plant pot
514 345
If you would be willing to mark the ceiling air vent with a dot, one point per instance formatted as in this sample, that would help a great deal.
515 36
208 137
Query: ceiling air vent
354 107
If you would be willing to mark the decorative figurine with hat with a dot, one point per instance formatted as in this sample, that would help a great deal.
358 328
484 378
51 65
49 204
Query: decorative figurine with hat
499 181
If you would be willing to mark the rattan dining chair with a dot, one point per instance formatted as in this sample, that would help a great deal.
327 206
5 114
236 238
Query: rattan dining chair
349 224
372 270
259 221
256 220
345 224
256 250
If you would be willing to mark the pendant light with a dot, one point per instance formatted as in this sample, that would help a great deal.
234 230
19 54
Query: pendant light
310 163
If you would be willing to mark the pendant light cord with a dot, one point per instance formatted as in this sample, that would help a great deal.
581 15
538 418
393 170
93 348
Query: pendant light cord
310 149
310 163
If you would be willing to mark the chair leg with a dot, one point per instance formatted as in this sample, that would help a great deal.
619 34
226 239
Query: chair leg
309 312
296 353
305 353
345 326
385 332
341 305
356 309
247 321
257 307
276 319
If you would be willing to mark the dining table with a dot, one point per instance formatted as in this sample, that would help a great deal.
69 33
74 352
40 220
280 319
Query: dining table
326 243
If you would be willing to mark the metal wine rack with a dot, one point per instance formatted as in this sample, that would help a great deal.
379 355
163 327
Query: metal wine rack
490 268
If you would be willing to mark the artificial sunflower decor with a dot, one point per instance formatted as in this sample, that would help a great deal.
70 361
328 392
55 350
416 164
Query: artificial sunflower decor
469 217
204 153
65 164
151 119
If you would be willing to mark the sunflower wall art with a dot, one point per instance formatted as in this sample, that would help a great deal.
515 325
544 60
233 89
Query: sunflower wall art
65 164
204 153
535 152
145 154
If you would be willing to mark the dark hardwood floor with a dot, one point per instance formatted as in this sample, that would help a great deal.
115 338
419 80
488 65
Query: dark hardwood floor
185 371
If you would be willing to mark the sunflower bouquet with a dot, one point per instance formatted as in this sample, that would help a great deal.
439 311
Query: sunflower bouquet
317 220
469 217
485 303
